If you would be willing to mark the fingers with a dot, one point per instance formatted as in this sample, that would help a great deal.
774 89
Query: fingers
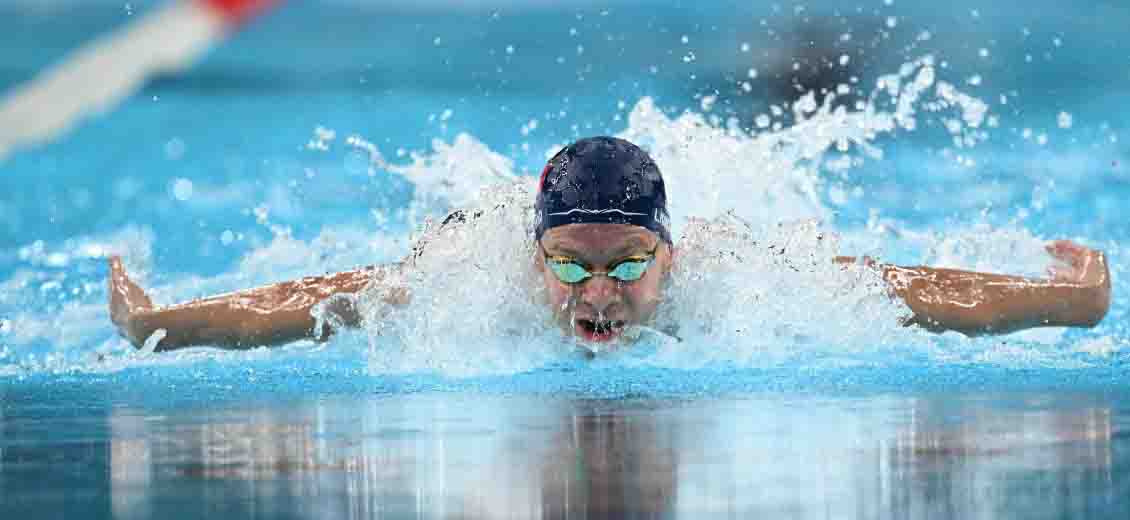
119 307
1064 249
125 295
118 277
116 269
1072 253
1084 265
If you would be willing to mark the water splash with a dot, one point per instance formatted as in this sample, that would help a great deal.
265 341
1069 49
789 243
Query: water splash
475 304
753 216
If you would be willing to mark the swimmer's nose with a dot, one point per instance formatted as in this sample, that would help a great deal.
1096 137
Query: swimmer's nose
600 292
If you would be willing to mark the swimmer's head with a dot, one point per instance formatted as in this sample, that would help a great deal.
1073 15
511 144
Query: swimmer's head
603 246
602 180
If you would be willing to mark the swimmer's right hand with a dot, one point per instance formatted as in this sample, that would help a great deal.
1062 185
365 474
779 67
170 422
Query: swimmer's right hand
127 300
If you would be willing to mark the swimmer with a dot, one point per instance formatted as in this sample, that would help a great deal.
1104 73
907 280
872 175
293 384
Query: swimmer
603 252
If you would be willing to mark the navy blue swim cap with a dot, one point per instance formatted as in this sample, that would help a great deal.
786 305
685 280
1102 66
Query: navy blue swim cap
602 180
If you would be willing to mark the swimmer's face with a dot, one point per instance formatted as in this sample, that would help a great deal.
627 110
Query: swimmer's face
598 309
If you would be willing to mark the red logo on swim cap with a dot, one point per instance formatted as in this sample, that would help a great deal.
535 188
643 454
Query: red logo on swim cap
544 172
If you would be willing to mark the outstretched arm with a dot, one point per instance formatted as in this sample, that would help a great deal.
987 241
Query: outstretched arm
266 315
979 303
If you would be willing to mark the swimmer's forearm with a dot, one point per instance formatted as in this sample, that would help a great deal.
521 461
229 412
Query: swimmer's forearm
981 303
268 315
221 323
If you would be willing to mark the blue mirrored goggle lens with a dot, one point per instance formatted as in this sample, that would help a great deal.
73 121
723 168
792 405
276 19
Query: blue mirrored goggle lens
569 272
630 271
572 272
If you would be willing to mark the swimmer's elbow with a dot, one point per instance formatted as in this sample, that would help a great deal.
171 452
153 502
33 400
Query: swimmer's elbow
971 325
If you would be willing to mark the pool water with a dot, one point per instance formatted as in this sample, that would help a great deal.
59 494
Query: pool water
316 140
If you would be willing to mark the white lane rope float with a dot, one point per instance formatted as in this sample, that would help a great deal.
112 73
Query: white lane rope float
101 74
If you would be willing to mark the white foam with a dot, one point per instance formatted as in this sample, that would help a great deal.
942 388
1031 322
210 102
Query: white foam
474 300
761 295
754 283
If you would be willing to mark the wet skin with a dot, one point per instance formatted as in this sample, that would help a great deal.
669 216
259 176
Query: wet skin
600 308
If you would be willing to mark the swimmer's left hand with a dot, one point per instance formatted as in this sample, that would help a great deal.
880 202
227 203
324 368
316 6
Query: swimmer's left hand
127 299
1086 269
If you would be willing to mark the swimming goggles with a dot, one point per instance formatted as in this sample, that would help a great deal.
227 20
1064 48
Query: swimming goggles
570 271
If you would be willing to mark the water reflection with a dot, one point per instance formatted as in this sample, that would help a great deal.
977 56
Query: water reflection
445 456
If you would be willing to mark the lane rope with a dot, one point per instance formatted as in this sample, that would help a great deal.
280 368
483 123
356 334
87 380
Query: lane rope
98 76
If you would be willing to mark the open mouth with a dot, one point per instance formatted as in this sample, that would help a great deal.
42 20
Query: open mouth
599 330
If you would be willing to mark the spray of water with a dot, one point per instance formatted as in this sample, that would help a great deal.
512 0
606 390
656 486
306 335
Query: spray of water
753 283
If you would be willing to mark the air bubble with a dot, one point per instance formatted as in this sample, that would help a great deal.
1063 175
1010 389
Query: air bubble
182 189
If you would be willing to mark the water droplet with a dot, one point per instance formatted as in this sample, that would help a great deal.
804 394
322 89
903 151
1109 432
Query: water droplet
707 103
182 189
175 149
1064 120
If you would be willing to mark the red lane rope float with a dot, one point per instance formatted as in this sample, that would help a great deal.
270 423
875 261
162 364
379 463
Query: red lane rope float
96 77
238 11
